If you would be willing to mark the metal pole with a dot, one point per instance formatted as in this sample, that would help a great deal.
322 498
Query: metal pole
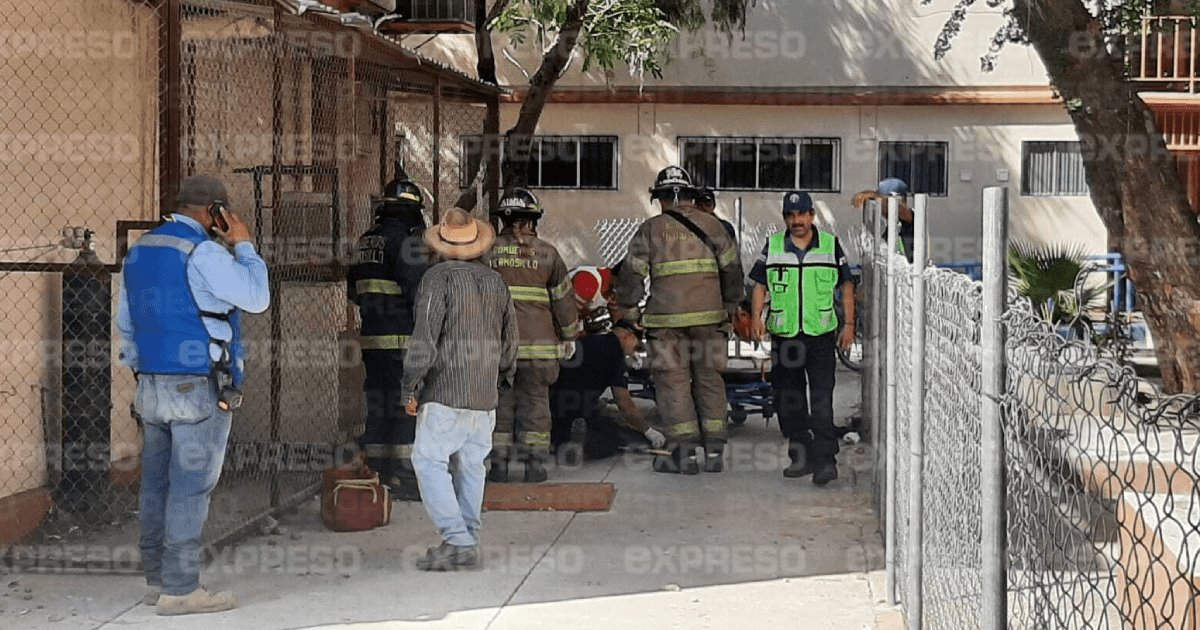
994 601
916 437
870 258
740 227
893 205
275 285
170 59
437 148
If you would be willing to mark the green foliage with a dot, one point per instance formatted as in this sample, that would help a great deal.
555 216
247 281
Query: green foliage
633 33
1053 277
1116 18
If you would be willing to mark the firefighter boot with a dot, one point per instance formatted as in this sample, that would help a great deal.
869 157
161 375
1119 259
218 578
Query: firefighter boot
535 471
535 464
714 459
682 460
498 466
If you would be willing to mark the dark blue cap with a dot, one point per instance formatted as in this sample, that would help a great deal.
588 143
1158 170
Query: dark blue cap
893 186
797 201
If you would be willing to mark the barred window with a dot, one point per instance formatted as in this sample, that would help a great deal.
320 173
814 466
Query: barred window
763 163
1052 169
557 161
922 165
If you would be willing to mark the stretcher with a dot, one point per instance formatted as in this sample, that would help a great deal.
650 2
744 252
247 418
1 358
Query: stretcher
747 383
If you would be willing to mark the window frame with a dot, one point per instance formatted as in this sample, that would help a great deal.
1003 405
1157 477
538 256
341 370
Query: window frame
908 178
1056 192
796 141
536 149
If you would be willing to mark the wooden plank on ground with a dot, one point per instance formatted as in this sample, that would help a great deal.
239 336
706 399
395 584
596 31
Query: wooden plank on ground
558 497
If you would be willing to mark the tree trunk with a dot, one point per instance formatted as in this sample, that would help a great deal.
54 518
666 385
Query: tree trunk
485 67
1132 178
518 140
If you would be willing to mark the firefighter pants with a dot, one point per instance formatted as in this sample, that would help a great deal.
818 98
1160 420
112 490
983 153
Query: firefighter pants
802 375
523 416
686 364
389 433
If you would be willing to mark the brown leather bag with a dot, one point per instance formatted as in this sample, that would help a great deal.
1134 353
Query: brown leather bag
353 499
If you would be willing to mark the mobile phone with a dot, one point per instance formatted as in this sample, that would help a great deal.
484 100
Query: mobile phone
216 212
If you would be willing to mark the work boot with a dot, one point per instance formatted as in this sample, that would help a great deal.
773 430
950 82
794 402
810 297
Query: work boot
447 557
535 471
824 474
714 460
498 471
198 601
675 463
150 598
799 466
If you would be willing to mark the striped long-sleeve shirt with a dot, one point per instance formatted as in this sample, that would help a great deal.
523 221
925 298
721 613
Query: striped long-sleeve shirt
465 337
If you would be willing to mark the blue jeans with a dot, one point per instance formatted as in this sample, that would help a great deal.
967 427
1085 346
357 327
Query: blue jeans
182 453
453 500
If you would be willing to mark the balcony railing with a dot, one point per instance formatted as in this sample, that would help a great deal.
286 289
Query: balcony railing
437 10
413 16
1164 53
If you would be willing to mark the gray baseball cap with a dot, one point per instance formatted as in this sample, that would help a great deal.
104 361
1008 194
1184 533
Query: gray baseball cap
202 190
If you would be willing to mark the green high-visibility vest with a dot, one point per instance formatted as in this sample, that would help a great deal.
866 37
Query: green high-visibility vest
801 291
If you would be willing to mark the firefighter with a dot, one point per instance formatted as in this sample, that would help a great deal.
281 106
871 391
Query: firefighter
695 286
547 324
706 200
388 264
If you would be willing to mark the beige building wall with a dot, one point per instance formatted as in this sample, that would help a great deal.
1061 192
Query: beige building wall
840 43
984 141
832 48
78 108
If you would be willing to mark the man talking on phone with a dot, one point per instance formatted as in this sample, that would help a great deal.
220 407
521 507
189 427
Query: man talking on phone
184 284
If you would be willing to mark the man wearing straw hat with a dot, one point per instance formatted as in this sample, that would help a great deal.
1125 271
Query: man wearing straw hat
463 346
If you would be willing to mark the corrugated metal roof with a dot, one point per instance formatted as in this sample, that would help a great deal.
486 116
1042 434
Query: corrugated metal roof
436 67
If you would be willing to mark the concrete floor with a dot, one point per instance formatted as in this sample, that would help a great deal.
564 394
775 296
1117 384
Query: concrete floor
746 548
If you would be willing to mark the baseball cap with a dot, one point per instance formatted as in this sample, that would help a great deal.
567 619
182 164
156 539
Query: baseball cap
893 186
797 201
201 190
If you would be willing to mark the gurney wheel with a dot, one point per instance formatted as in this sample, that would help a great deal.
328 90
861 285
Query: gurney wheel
737 415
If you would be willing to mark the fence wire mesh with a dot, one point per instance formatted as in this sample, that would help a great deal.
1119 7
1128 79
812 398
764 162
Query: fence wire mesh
303 120
77 142
1103 529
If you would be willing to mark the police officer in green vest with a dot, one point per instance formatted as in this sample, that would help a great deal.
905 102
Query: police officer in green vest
795 277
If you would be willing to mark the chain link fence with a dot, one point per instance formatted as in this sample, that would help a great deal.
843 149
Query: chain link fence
1100 519
303 120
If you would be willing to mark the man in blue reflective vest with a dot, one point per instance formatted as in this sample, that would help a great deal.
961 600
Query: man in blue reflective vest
389 262
798 271
183 285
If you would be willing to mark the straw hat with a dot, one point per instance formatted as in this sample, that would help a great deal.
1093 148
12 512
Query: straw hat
460 236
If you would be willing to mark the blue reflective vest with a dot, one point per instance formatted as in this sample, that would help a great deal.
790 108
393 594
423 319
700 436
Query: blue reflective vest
168 327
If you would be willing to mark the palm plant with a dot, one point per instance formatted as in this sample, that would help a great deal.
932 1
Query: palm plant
1054 278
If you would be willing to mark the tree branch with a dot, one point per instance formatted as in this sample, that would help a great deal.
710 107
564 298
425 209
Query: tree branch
518 140
497 9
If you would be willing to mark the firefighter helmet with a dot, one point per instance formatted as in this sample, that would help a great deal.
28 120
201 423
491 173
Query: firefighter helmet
519 203
672 182
403 191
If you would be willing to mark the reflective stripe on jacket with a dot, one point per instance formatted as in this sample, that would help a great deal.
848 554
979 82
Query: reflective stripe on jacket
541 293
690 284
